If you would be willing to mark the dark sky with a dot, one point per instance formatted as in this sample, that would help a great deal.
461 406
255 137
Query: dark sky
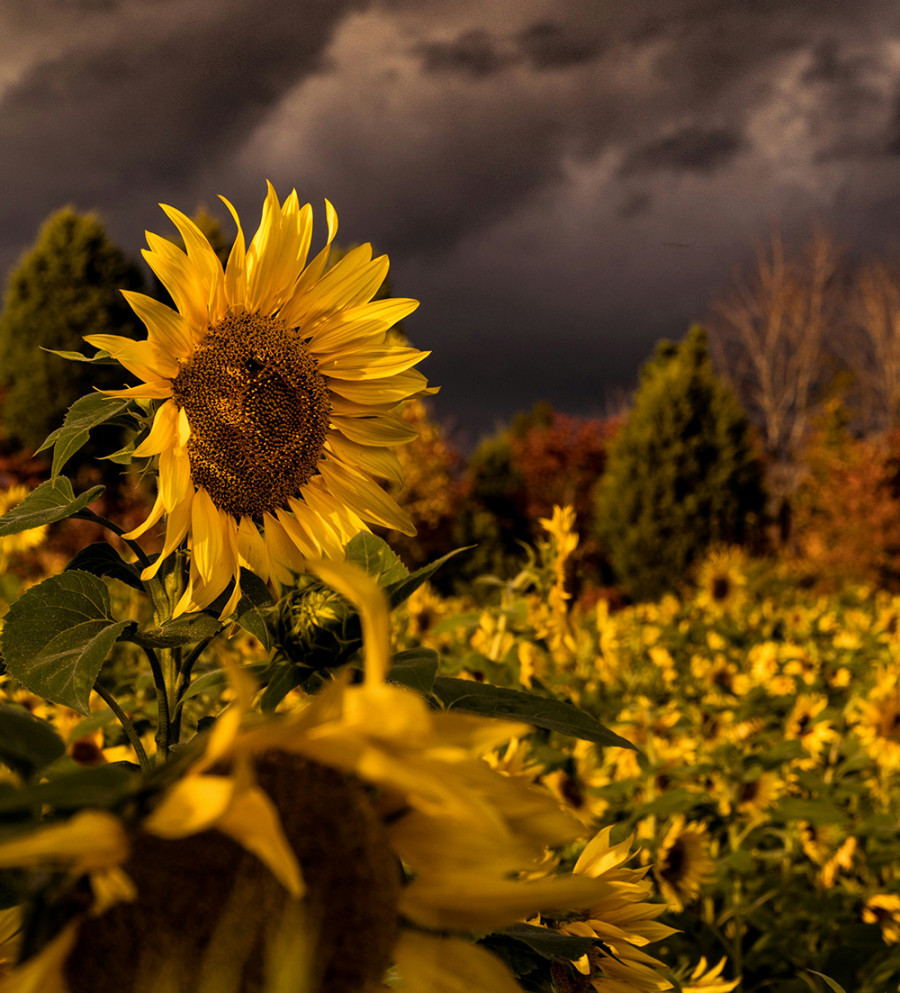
560 182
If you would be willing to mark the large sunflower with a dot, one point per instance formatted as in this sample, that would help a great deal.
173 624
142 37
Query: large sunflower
307 852
279 382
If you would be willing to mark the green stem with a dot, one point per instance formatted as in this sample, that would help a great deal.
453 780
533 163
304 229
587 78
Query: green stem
184 675
127 726
162 703
89 515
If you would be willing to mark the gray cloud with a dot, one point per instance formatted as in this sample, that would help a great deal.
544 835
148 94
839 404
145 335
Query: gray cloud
551 45
474 53
691 149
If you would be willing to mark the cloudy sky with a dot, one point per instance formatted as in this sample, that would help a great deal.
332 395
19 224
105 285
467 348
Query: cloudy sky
560 182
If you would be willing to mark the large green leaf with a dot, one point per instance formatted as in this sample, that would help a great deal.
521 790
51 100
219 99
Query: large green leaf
52 501
541 712
57 636
101 559
85 414
26 743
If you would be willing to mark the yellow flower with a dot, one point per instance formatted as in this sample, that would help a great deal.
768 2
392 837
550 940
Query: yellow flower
884 909
683 863
722 581
623 921
705 979
279 385
340 823
876 721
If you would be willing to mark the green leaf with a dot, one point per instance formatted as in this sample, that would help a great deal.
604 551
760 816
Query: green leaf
817 812
676 801
829 982
402 589
101 559
253 607
85 414
185 630
104 786
541 712
415 668
286 677
102 357
57 636
26 743
217 679
376 557
548 944
52 501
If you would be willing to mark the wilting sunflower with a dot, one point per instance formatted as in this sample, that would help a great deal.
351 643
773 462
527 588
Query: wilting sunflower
361 829
279 385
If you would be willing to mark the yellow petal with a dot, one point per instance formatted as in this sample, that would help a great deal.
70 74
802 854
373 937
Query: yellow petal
166 328
429 964
193 804
371 363
92 839
364 497
162 432
44 972
388 430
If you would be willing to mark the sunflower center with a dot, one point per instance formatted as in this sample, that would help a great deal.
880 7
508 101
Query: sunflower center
210 915
258 410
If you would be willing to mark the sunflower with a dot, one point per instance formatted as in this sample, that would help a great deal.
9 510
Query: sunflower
708 979
362 828
884 909
876 721
683 863
277 385
722 581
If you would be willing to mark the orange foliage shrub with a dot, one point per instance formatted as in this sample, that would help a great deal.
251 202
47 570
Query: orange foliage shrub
847 512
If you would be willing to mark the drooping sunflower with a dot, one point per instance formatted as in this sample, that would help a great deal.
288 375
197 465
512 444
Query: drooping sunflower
307 852
279 385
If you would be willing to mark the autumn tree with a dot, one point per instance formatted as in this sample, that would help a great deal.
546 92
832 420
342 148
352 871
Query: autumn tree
771 333
66 286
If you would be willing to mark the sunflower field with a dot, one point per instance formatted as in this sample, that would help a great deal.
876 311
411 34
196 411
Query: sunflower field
345 720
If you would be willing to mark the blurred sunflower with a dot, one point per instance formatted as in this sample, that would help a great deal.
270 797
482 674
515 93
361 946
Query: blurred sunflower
876 721
362 828
722 581
279 385
15 544
884 909
805 724
683 862
708 979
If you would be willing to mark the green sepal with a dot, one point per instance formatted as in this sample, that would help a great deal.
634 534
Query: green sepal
548 944
26 743
254 608
85 414
541 712
52 501
57 636
401 590
101 559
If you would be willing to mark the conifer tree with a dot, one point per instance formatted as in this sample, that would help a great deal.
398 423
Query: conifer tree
66 286
681 474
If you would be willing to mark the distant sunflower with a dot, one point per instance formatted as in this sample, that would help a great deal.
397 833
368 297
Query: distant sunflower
683 863
876 721
279 385
722 580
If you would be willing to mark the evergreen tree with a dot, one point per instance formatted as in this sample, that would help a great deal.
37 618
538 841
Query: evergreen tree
66 286
682 473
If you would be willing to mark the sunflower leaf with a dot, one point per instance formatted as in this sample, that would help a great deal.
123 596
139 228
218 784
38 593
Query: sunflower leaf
832 984
86 413
377 558
541 712
548 944
101 559
104 786
253 607
402 589
57 636
102 357
54 500
415 668
26 743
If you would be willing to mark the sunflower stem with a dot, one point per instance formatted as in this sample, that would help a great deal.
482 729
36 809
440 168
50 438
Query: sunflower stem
89 515
162 703
127 726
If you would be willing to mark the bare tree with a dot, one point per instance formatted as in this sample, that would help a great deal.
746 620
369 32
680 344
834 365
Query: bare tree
873 347
770 336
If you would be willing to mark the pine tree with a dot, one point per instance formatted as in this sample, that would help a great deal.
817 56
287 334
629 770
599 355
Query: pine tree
66 286
682 473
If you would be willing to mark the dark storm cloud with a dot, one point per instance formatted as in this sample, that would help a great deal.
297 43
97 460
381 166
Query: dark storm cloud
692 149
550 45
126 110
473 53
